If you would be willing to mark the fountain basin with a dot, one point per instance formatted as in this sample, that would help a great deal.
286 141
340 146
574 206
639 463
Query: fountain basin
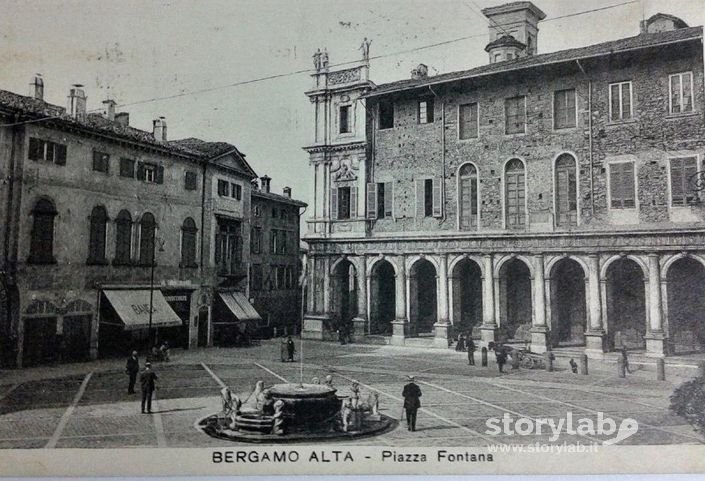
309 407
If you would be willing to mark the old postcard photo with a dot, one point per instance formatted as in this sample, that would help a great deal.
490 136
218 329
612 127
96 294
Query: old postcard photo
360 237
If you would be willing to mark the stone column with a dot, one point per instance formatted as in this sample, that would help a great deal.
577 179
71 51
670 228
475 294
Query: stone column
488 329
539 330
595 334
442 325
400 325
655 338
360 321
316 320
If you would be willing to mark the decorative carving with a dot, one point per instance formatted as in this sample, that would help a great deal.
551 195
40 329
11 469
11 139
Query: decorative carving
344 172
344 76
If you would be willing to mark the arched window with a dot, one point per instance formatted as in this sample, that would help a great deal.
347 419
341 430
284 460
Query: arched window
188 243
566 187
123 238
515 194
147 228
41 248
467 196
96 240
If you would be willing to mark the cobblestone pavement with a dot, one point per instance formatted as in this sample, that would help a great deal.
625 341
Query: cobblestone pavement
87 405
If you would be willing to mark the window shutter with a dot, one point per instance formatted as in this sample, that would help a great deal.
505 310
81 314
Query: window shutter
371 200
353 202
36 148
334 203
677 182
140 171
420 198
388 199
60 154
437 197
160 174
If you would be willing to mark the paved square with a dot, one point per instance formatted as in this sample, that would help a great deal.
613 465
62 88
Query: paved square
87 405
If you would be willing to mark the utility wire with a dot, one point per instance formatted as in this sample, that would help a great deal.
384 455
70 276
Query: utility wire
299 72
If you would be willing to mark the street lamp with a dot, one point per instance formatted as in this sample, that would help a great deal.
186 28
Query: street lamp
151 285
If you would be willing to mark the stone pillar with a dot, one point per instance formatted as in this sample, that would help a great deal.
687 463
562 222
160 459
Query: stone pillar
316 320
443 323
539 330
488 329
595 334
360 321
655 338
400 325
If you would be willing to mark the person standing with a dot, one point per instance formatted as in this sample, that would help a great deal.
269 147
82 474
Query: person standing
290 349
412 403
626 359
148 381
573 366
501 357
471 351
132 368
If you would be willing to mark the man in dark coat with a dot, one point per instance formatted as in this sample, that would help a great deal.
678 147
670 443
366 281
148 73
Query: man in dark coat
290 349
471 351
501 357
147 380
411 395
132 368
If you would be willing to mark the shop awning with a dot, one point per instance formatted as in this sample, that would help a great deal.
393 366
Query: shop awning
240 306
133 308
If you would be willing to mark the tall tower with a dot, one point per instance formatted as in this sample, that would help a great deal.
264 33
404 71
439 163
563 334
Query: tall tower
513 30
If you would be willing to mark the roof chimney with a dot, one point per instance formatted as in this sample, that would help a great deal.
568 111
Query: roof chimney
123 118
287 192
421 71
265 183
37 87
513 29
109 109
160 129
77 101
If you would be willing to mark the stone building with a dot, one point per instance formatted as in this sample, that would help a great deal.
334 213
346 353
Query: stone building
88 203
551 198
274 254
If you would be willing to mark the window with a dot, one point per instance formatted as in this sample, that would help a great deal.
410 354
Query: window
620 101
467 197
282 242
564 109
258 211
290 277
497 57
380 200
425 111
683 171
566 191
280 274
223 188
515 115
236 191
428 197
386 114
468 121
127 168
188 243
228 246
41 247
191 181
274 213
46 150
681 93
256 240
151 173
96 239
622 190
510 56
273 241
341 202
515 194
344 120
123 238
147 237
101 162
256 277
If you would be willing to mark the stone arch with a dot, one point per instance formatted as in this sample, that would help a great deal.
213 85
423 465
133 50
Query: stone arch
522 217
354 260
344 290
423 294
459 258
638 260
514 296
684 303
376 260
551 264
413 260
554 164
41 307
504 259
477 196
626 303
382 299
568 308
466 293
669 261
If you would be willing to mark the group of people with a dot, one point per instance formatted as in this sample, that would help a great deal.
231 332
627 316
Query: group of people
147 378
465 343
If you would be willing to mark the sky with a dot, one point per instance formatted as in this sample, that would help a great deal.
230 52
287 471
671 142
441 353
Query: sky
138 52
